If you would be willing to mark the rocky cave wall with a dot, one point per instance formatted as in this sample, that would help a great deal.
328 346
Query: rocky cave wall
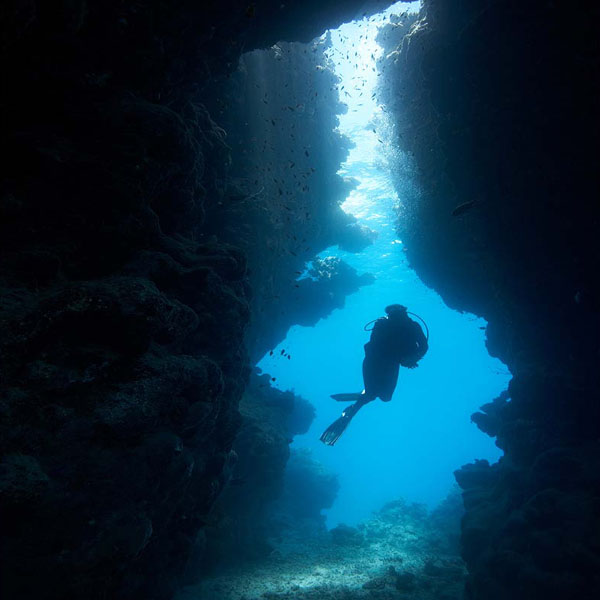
281 110
123 309
497 103
282 207
274 493
241 523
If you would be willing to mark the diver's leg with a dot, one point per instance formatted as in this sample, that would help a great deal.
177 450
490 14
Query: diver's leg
388 381
380 375
370 374
332 434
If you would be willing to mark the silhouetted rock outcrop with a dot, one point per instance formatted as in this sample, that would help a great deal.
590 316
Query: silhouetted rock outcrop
242 515
496 102
308 488
281 110
122 318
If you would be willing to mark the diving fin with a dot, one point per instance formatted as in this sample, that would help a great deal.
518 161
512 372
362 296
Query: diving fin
332 434
351 397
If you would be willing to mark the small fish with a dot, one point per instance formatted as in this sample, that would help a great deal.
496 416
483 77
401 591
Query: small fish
463 208
271 353
283 351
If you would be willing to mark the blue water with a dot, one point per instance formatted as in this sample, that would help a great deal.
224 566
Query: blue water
410 446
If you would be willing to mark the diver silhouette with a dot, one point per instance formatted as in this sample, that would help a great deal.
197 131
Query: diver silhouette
395 340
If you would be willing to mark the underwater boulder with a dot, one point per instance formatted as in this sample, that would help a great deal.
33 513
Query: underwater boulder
344 535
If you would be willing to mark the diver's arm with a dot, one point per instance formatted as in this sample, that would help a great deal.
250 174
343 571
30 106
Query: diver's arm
420 348
421 343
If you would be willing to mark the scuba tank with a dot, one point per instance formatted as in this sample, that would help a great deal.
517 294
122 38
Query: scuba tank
367 328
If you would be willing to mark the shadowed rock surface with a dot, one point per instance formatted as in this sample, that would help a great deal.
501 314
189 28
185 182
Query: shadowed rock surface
242 517
122 315
124 303
497 103
281 108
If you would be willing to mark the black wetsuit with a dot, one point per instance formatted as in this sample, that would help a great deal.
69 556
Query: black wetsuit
395 340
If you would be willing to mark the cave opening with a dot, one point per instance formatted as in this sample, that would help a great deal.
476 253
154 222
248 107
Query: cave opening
195 188
409 447
316 167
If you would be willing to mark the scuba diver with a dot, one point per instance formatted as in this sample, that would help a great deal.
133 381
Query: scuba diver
395 340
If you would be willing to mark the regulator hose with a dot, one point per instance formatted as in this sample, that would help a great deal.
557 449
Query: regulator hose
366 327
422 321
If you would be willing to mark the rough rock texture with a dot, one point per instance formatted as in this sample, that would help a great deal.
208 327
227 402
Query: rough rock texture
324 288
496 102
242 516
122 318
119 379
281 207
308 488
281 110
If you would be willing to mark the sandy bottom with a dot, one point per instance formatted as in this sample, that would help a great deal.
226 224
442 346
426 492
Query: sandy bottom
391 560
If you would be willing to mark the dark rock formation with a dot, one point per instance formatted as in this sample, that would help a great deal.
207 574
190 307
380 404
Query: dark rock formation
242 515
284 194
308 487
281 207
497 104
118 409
311 298
122 318
444 522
